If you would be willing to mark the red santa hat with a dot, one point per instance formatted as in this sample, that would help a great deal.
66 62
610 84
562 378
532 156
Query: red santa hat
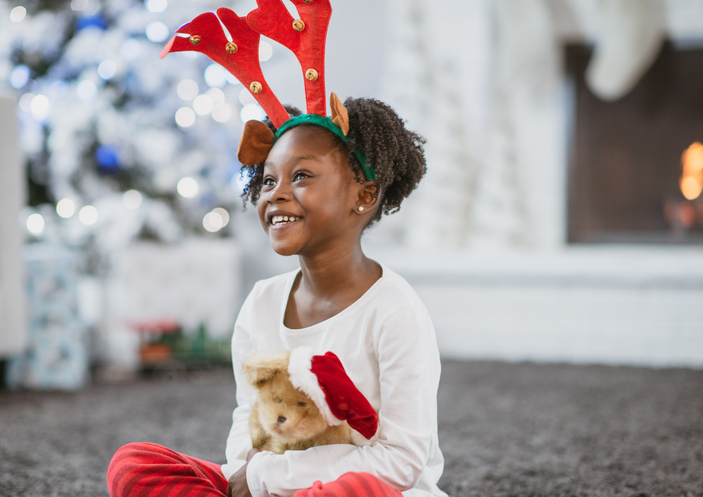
324 380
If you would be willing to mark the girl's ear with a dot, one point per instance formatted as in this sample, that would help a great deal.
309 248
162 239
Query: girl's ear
259 369
368 198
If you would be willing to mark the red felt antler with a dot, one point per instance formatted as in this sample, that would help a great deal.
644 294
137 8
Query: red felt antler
305 37
239 56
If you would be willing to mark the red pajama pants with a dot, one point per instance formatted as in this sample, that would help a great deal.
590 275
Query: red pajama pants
150 470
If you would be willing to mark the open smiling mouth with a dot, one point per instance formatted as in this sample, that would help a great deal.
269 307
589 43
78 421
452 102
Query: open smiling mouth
282 220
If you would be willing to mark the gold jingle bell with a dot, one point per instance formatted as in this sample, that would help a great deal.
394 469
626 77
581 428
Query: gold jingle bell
311 75
298 25
231 47
256 87
195 39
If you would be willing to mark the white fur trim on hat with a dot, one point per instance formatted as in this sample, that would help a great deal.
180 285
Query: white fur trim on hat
302 378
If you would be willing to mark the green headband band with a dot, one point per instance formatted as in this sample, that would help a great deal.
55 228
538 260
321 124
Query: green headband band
326 123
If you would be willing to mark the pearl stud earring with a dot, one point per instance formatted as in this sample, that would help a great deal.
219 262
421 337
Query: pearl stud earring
361 209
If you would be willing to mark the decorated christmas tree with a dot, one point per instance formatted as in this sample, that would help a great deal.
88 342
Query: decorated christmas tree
119 144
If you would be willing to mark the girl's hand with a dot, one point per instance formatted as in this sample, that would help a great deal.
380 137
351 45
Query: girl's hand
237 485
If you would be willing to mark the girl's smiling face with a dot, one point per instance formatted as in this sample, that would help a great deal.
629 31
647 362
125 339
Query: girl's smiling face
309 194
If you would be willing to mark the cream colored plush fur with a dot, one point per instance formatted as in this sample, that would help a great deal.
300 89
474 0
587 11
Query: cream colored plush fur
283 417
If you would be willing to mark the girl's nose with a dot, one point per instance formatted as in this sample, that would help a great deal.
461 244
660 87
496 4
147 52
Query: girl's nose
279 194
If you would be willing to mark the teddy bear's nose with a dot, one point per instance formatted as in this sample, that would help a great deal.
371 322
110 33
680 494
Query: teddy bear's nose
281 420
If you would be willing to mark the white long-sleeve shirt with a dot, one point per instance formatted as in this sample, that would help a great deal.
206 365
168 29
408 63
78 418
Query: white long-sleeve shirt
387 345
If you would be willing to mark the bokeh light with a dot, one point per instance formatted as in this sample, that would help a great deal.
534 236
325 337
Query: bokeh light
215 220
245 97
35 224
66 208
79 5
217 95
252 112
231 79
156 5
185 117
107 69
215 76
691 182
187 89
223 214
86 90
212 222
88 215
18 14
203 105
240 181
691 187
108 159
25 102
19 76
157 32
132 199
222 113
265 51
187 187
40 107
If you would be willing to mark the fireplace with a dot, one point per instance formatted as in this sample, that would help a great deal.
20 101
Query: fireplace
636 164
561 166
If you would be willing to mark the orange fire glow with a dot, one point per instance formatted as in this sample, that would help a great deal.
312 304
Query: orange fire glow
691 181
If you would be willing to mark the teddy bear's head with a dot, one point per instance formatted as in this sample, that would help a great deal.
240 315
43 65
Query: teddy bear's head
284 411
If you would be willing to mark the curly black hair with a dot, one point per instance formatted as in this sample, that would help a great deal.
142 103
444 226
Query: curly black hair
376 130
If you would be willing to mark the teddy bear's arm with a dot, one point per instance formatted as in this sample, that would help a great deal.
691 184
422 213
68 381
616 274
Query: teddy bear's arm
340 434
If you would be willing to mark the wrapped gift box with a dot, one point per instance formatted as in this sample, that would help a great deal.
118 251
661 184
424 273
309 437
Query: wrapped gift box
57 356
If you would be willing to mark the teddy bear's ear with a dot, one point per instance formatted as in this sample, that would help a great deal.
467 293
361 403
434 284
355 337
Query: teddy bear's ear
259 369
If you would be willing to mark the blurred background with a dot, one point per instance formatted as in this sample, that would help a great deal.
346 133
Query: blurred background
561 219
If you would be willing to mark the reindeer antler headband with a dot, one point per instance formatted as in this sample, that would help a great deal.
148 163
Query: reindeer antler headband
233 42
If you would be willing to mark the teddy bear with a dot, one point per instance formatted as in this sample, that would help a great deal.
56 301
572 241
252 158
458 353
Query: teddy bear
305 400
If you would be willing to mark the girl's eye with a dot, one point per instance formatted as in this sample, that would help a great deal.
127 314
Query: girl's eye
298 176
268 181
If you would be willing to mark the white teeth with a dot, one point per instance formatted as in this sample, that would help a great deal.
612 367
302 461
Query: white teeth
275 220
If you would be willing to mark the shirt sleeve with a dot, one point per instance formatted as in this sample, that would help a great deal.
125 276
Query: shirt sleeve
409 370
239 439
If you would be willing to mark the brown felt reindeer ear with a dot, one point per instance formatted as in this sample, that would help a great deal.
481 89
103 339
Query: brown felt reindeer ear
255 143
259 369
340 116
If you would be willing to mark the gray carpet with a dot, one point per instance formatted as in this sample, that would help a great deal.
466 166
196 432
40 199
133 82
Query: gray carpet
506 430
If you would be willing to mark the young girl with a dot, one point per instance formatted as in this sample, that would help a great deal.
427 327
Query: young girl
318 183
313 202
